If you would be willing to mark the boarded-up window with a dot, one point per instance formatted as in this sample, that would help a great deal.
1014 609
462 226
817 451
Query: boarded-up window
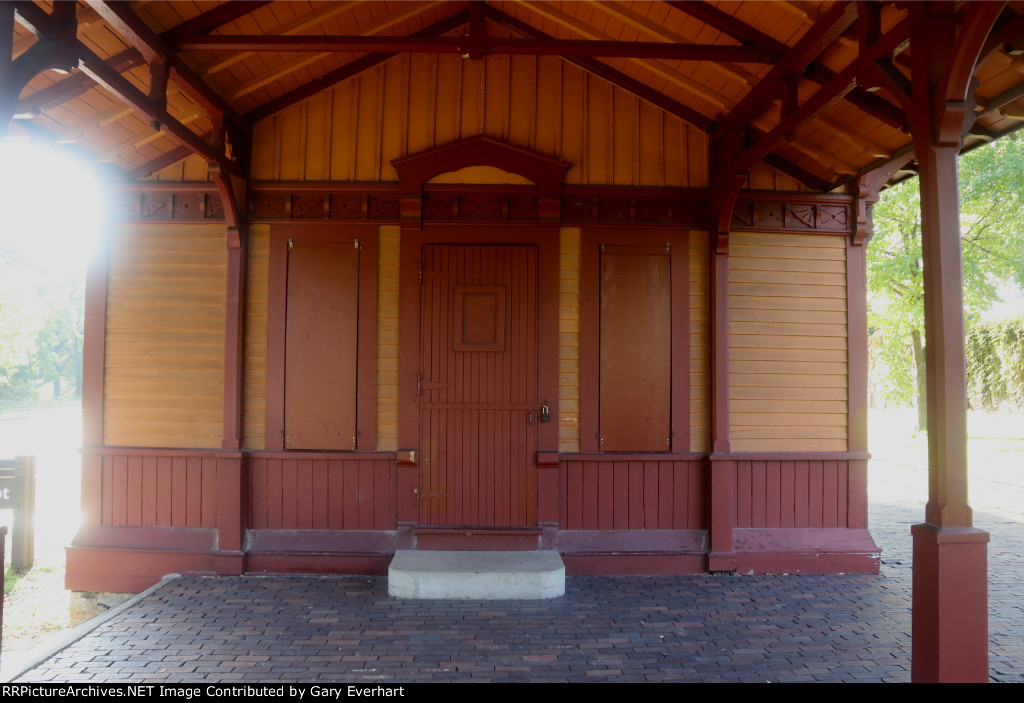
320 346
321 337
634 340
635 349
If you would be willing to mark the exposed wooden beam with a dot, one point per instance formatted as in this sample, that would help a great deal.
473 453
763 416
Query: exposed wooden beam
79 83
655 29
348 70
407 11
74 85
799 173
212 19
297 25
997 102
727 24
163 161
829 94
108 77
85 19
123 19
874 105
794 62
142 138
467 45
616 77
681 80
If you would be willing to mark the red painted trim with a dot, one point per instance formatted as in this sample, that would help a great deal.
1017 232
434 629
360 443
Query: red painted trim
346 456
366 393
612 564
416 169
571 542
590 258
159 538
277 563
298 542
681 346
234 346
718 280
790 456
857 347
633 456
590 375
231 506
161 452
130 570
94 345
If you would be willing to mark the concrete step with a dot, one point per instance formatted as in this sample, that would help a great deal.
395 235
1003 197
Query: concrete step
464 575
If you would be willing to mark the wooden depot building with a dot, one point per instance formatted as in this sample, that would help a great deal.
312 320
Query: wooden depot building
578 276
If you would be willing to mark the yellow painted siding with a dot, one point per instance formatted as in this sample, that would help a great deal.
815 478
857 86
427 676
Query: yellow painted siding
700 393
787 342
164 359
387 339
414 102
569 340
256 337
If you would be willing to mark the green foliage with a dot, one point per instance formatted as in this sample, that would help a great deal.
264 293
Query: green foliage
41 330
995 364
992 230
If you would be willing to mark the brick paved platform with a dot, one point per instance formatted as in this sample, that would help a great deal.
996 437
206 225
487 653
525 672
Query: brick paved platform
696 628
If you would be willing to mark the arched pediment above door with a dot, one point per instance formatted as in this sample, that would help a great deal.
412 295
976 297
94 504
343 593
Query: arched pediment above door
544 173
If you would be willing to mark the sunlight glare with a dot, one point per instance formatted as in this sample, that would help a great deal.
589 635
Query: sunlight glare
51 207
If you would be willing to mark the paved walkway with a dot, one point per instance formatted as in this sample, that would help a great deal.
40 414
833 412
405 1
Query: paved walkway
694 628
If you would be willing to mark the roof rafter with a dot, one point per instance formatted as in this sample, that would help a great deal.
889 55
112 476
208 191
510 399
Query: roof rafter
108 77
615 76
123 19
685 82
348 70
870 103
828 95
839 17
468 45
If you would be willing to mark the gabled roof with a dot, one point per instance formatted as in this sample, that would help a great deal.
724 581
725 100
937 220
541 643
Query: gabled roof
811 88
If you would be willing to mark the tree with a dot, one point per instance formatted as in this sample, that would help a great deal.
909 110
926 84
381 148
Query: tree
992 230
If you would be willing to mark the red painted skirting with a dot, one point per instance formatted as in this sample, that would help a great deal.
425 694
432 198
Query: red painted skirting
173 510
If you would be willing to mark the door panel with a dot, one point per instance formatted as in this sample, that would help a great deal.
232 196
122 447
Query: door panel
478 388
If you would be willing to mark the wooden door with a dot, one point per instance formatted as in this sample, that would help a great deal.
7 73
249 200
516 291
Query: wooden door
478 386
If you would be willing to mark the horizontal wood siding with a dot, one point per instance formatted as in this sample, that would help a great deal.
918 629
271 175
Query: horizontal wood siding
610 493
335 492
700 368
158 491
414 102
256 337
164 355
569 340
387 339
787 342
788 493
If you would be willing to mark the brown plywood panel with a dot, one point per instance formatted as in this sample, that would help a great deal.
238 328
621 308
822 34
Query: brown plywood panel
320 346
635 351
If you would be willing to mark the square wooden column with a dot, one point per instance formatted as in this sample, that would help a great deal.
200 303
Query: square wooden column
950 582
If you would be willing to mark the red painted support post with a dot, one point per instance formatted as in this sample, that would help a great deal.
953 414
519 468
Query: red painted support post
950 599
722 470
